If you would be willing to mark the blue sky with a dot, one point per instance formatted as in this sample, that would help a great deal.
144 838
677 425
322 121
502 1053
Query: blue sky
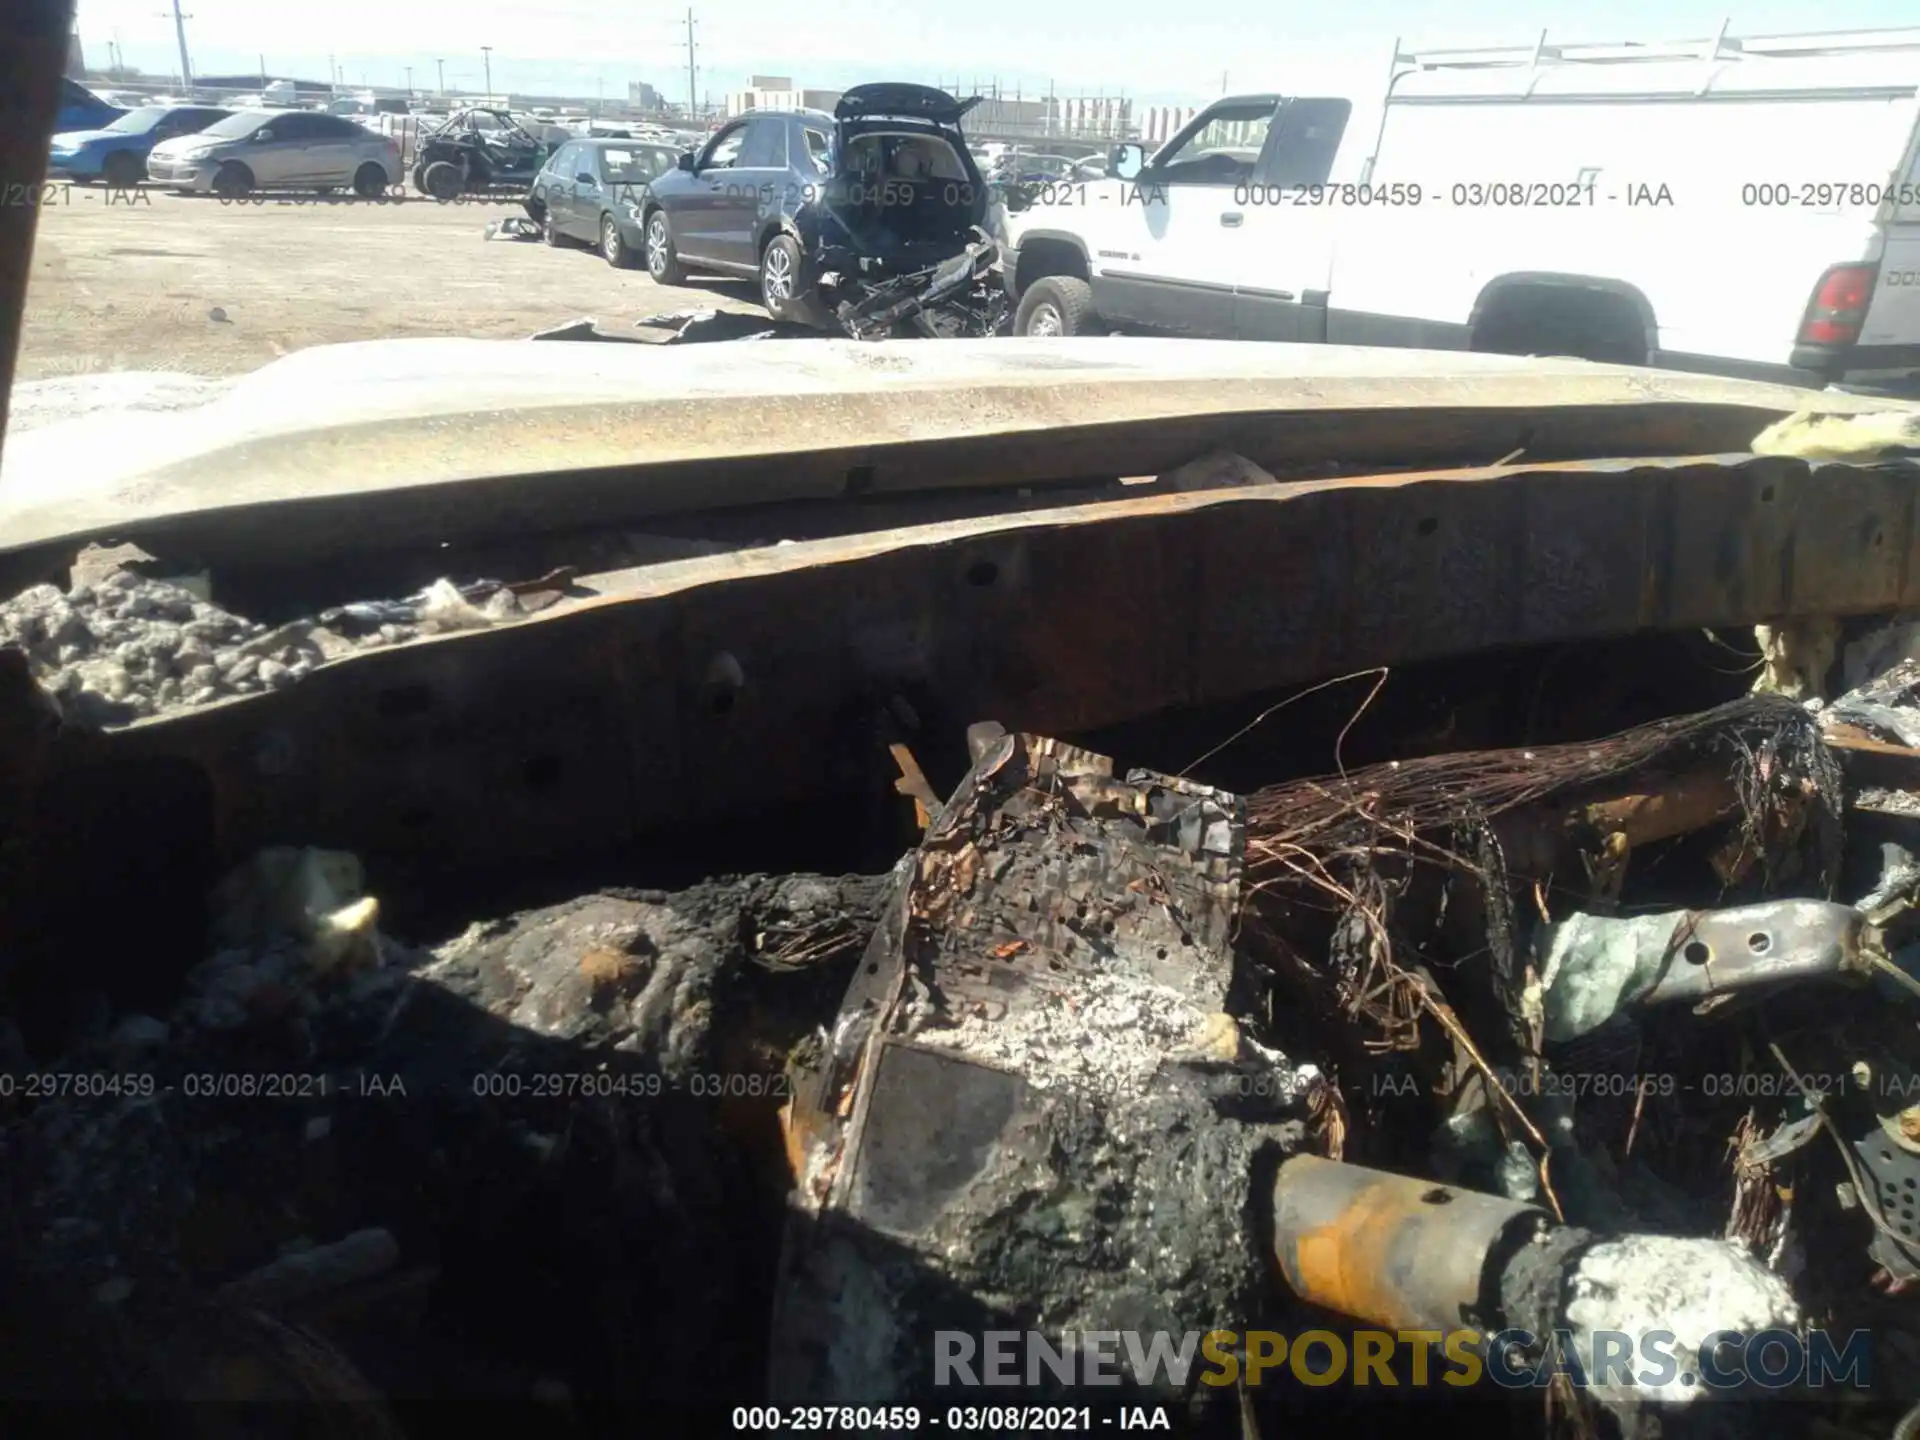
1147 49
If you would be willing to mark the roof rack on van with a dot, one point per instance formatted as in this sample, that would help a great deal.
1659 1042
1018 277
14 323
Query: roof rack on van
1805 45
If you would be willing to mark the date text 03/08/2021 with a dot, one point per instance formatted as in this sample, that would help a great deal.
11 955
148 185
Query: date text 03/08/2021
958 1419
1398 195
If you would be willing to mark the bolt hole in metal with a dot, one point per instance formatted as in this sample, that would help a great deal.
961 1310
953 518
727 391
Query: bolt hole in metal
1436 1196
1759 942
1427 526
1766 494
982 573
1697 953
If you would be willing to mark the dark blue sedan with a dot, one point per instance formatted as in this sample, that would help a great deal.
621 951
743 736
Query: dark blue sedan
117 152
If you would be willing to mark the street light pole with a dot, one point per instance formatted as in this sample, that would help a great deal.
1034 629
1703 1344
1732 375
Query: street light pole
486 52
409 82
180 34
443 75
693 109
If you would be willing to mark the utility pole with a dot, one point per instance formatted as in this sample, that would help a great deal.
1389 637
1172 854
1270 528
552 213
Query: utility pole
263 72
486 53
692 68
443 75
409 82
180 34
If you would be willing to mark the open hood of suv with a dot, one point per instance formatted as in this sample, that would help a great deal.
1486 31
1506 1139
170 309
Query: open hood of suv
922 102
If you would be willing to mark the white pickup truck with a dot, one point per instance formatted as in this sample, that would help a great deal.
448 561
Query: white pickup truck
1744 206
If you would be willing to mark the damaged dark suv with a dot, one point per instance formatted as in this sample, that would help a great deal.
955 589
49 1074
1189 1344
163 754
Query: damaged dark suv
877 210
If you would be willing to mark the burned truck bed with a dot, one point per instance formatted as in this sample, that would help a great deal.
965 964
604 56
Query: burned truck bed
1063 898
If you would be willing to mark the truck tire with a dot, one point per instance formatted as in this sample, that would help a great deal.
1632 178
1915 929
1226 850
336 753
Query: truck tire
1058 305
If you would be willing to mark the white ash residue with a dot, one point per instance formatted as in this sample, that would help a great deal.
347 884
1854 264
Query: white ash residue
1688 1287
125 647
1109 1034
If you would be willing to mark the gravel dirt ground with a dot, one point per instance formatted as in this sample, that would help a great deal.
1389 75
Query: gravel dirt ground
143 285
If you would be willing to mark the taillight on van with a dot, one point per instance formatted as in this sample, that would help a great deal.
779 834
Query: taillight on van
1839 305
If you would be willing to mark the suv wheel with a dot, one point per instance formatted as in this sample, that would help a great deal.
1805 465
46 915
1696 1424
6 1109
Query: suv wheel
780 276
1057 305
663 261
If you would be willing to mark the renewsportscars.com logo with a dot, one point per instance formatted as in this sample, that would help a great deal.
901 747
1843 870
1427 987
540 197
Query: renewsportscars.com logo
1652 1360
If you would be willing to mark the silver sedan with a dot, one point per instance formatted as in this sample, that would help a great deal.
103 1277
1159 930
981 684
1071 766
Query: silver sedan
278 150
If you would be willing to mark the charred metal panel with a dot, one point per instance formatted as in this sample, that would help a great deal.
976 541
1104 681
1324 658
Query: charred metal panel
1431 572
1582 567
714 688
1033 1111
1768 536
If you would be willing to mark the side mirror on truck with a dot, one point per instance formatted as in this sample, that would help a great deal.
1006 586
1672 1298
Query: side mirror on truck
1126 161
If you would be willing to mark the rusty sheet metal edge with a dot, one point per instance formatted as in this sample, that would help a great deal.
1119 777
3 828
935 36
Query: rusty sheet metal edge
325 432
1057 622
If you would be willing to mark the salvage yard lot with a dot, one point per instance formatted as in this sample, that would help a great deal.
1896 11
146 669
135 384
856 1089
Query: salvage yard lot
135 286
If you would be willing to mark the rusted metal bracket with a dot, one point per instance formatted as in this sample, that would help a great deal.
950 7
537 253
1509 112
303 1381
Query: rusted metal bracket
914 785
1596 967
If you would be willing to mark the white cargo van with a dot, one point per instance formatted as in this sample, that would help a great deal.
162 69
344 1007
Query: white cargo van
1736 205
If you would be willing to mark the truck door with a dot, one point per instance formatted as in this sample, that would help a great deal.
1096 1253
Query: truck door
1178 224
1284 252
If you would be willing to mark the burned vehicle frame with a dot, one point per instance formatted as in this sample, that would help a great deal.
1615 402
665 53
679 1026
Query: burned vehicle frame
759 700
1221 734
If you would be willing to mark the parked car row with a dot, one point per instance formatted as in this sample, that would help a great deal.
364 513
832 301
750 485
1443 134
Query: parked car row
873 218
118 151
222 150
